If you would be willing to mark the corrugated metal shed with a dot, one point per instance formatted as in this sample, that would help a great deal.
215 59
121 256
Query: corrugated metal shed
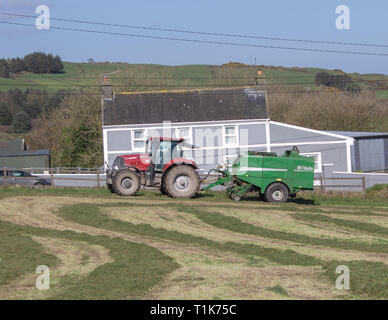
25 159
370 150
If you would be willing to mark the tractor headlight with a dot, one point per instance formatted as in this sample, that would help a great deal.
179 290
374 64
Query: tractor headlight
115 168
222 167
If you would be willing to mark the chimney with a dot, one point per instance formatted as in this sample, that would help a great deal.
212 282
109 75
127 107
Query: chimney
107 90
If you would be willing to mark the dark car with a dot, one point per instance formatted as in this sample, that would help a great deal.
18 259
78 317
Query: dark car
22 178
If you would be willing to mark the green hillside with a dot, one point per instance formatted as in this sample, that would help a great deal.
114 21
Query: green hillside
137 77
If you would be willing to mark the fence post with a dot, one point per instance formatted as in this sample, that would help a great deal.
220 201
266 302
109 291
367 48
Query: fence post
98 178
5 176
322 181
364 186
52 177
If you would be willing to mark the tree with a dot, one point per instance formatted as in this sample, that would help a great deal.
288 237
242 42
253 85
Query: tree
56 65
323 78
39 62
33 107
21 122
17 65
55 100
5 115
4 69
17 99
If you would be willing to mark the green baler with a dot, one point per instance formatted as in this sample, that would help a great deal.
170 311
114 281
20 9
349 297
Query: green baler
275 178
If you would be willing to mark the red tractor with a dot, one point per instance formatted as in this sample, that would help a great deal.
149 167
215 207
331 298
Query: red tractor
161 166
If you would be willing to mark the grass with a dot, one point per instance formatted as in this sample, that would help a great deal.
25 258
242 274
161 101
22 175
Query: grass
89 214
156 258
129 276
279 290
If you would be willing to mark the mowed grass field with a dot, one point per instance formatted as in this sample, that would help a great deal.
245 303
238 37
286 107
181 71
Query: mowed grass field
102 246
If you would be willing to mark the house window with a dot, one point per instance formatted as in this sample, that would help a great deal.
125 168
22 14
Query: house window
185 133
317 160
230 136
139 140
228 160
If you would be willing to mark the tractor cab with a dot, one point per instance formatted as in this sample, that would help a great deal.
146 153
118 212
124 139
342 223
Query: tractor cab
163 150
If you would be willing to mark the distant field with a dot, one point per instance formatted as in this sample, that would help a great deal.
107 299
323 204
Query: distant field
133 77
101 246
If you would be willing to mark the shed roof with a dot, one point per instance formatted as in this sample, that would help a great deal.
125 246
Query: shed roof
185 106
25 153
360 135
12 145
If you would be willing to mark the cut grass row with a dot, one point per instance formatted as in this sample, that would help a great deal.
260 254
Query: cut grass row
136 267
368 277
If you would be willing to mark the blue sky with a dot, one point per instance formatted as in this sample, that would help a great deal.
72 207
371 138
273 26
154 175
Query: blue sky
302 19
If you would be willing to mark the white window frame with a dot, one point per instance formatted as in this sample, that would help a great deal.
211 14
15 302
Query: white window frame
133 139
188 138
224 135
233 156
318 156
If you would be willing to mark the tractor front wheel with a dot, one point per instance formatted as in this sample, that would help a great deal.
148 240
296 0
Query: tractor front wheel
276 192
126 183
182 181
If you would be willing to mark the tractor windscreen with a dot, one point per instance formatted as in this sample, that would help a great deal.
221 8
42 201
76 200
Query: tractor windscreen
163 151
170 150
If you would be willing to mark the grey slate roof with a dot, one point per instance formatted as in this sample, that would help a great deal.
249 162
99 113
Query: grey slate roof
185 106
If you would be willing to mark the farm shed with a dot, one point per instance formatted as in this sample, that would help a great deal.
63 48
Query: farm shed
370 150
14 154
217 123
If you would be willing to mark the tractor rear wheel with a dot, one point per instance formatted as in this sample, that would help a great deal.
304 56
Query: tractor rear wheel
110 188
276 192
182 181
126 183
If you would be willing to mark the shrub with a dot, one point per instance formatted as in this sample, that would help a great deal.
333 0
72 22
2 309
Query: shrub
5 115
21 122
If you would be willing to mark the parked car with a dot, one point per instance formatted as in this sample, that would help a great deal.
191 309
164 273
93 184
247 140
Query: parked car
15 177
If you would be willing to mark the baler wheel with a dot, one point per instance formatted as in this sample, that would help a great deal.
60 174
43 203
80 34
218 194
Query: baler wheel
277 192
126 183
235 197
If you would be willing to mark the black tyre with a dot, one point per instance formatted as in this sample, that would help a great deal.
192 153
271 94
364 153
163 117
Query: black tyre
126 183
110 188
39 185
276 192
235 197
163 188
182 181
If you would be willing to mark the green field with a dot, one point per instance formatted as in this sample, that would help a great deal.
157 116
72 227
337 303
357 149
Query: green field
102 246
134 77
